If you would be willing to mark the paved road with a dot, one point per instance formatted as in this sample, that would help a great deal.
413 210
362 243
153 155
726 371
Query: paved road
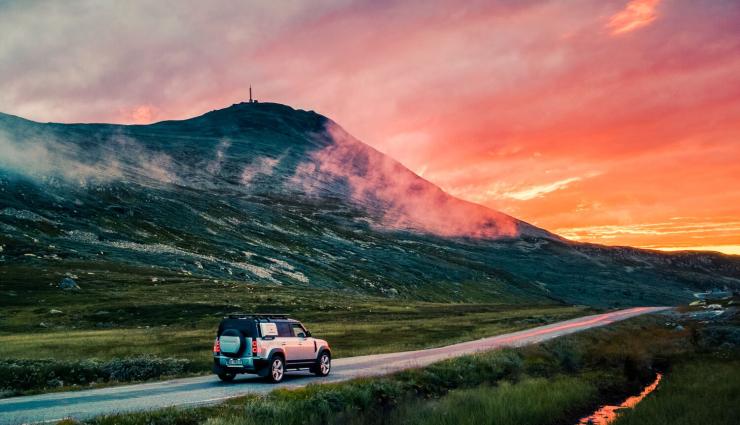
209 390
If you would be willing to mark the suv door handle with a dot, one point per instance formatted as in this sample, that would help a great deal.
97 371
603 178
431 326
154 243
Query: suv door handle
282 343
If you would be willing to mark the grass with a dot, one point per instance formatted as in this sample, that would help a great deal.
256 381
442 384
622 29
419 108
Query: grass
366 329
175 318
142 299
34 360
700 391
535 401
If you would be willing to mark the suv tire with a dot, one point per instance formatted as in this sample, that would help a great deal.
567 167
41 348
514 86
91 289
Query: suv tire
323 364
276 369
226 376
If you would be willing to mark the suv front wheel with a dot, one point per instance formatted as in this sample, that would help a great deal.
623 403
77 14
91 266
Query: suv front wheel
277 369
323 364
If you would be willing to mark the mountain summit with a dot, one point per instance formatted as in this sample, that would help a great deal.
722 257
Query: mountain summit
261 192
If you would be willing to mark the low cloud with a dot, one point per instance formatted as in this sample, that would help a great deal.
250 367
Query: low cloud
261 166
43 158
40 159
139 162
405 200
214 167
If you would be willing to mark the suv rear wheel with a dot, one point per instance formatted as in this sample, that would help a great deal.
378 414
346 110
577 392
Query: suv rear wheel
226 377
277 369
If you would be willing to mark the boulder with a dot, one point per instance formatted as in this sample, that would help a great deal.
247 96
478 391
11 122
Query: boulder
55 311
68 284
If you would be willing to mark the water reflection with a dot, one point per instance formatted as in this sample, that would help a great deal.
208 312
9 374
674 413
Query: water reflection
606 414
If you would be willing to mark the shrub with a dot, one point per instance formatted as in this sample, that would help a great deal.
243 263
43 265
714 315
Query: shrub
18 376
143 368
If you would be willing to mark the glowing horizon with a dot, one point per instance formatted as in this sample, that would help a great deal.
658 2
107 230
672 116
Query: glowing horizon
612 122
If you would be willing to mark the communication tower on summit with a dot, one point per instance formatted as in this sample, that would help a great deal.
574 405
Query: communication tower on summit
251 100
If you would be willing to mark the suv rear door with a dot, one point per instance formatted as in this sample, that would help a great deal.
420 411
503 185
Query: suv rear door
286 341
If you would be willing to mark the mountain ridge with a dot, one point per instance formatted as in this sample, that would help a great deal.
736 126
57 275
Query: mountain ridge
265 193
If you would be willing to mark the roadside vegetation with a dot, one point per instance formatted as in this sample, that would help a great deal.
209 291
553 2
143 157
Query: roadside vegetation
704 390
529 401
20 376
557 382
59 339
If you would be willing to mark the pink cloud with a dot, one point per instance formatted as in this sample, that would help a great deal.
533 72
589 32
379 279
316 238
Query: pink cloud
636 14
142 114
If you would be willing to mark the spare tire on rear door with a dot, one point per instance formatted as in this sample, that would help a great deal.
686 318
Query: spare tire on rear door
232 343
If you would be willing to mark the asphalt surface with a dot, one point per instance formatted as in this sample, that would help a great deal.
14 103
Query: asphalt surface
209 390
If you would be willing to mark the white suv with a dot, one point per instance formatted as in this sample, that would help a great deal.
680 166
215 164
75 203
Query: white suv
267 344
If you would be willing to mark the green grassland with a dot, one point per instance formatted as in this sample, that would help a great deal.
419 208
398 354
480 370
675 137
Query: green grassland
362 328
149 315
149 305
553 383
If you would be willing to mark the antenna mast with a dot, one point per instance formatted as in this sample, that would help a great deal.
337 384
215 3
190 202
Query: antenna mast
250 94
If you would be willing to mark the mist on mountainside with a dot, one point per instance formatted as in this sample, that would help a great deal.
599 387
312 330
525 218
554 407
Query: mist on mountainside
264 193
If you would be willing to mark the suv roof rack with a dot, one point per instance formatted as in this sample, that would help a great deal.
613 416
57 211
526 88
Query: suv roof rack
256 316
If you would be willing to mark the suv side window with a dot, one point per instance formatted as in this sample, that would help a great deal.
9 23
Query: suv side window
298 330
283 329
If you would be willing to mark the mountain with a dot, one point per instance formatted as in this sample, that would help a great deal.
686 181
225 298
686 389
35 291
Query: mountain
263 193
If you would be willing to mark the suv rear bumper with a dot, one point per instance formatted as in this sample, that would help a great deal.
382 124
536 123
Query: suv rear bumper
249 365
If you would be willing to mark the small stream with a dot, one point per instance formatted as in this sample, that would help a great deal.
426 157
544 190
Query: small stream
606 414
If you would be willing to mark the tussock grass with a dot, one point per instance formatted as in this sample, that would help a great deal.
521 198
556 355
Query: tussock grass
536 401
701 391
17 376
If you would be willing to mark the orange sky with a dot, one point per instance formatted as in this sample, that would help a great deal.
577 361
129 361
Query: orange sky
615 122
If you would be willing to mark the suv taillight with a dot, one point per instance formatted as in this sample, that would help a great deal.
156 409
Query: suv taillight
254 346
216 346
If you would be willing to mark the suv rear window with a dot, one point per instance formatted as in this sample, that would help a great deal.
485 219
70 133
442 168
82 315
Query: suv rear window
283 329
246 326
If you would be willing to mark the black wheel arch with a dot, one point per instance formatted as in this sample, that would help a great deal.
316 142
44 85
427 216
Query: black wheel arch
323 350
276 351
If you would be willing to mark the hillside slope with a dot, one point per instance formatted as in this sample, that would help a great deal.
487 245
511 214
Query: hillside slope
268 194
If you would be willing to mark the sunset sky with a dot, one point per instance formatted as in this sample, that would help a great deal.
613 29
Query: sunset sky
615 122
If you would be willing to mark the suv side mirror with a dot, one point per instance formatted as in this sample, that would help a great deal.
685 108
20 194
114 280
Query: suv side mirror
308 334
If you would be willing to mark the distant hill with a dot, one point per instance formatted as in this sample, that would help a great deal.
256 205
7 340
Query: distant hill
264 193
